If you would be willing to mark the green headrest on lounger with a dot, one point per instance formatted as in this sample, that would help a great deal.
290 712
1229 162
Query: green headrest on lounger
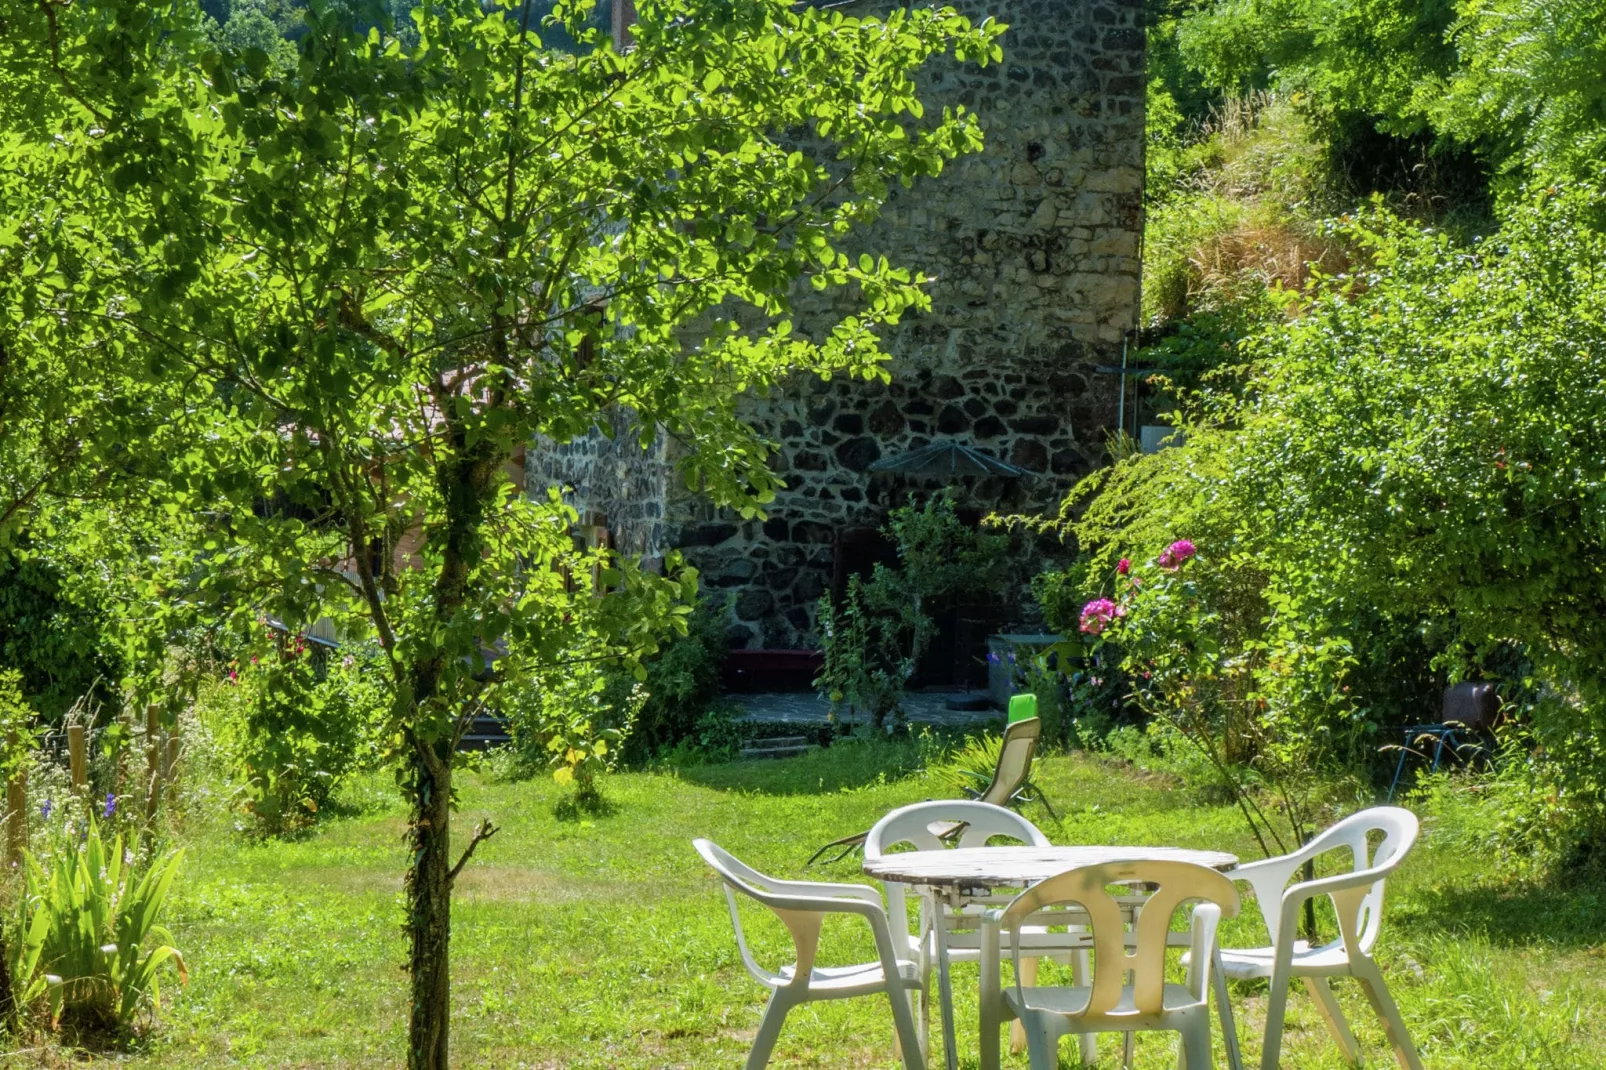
1022 707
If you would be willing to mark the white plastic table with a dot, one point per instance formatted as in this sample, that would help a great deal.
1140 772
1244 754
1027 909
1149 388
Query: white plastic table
951 878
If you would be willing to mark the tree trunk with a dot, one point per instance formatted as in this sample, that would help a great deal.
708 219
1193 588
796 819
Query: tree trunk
467 485
429 911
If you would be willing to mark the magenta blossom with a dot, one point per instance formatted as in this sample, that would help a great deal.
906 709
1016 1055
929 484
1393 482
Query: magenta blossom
1173 556
1100 614
1123 566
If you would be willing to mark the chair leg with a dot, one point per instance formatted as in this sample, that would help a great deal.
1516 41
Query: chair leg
1017 1028
1082 969
925 1018
1229 1025
1276 1008
769 1030
903 1021
1322 993
917 1001
1042 1044
1383 1003
1196 1053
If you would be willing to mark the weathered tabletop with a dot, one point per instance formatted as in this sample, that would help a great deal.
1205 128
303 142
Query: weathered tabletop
1000 867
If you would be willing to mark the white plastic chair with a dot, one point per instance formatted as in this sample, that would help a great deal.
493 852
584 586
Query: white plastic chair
1357 899
802 907
939 824
1108 1004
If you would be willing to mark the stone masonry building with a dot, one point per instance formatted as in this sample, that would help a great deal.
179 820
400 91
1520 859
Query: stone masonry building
1034 244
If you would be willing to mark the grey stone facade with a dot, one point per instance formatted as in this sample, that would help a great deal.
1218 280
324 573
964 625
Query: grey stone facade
1034 245
610 481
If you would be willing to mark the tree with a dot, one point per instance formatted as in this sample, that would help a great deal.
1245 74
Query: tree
348 293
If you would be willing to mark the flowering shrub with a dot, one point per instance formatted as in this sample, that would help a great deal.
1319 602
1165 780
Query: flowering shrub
1410 475
294 730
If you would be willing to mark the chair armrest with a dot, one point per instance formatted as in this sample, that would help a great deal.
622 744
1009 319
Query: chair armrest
1347 890
822 891
1248 871
1365 878
867 907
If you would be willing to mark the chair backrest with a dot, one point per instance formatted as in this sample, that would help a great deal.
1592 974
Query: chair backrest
924 825
1087 887
1360 914
1014 761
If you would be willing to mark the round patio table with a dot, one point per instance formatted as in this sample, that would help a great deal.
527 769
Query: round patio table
950 877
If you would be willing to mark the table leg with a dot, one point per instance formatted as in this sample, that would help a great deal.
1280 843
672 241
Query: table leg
1229 1027
991 996
945 986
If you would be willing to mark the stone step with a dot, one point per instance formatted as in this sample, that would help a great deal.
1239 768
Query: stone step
779 741
755 753
483 733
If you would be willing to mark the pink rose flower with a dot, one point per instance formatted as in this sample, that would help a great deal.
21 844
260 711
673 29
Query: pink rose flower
1123 566
1173 556
1099 614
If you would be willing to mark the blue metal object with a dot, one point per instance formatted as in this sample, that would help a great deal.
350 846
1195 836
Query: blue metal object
1443 735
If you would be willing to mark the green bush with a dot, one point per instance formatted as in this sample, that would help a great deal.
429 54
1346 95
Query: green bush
681 686
61 645
293 729
717 736
571 720
874 638
1413 471
89 943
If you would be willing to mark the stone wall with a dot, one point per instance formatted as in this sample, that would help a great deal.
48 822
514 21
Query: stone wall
609 481
1034 244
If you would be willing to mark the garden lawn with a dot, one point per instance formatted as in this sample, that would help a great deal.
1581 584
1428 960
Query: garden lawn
603 942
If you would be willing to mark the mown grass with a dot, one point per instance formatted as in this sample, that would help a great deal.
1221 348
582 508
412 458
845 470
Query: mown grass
602 942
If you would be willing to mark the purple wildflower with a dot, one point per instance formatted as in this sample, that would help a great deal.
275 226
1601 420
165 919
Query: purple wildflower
45 808
111 806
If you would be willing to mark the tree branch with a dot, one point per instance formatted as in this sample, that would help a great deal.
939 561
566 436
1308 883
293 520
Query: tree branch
49 8
483 832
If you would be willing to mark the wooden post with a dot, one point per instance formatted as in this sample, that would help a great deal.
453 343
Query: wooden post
16 808
125 721
78 757
170 769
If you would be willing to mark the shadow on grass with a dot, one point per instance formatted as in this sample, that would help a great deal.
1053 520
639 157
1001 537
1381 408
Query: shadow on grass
1568 915
578 807
846 764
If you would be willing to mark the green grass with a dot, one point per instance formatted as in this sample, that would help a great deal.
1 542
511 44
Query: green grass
603 942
